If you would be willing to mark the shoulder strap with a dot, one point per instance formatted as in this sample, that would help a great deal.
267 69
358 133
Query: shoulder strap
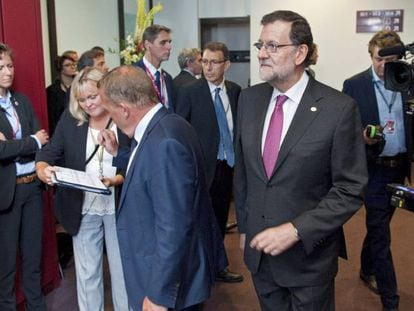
97 146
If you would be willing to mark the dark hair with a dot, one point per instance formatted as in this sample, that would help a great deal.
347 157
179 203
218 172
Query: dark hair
300 32
98 48
5 50
151 32
384 39
86 59
218 46
60 60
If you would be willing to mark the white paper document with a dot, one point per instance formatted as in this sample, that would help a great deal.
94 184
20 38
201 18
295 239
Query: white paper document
67 177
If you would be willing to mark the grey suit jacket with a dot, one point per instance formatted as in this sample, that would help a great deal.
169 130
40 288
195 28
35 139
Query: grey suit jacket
196 105
317 183
21 150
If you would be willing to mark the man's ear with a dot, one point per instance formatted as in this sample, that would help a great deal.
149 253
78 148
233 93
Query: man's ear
301 53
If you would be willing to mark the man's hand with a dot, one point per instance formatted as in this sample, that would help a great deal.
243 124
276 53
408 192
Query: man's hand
42 136
148 305
107 139
275 240
2 137
368 140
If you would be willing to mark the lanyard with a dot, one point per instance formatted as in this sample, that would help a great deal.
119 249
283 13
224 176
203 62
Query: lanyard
391 103
159 92
13 120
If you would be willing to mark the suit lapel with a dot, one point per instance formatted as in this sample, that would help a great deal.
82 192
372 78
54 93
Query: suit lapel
309 107
154 121
257 117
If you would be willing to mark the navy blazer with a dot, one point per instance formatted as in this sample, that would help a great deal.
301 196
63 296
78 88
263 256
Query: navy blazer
11 150
361 88
196 105
168 83
170 243
67 148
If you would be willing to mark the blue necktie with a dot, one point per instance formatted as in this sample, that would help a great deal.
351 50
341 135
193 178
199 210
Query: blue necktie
226 151
158 81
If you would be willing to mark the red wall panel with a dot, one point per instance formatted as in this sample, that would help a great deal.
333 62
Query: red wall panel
20 28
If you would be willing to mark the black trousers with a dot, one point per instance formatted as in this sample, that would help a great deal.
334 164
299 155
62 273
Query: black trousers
376 257
220 193
21 228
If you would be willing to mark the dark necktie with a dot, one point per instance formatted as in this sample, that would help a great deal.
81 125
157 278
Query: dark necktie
226 150
158 81
273 136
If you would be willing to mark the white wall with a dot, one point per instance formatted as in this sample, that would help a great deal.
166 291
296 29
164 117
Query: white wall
342 51
83 24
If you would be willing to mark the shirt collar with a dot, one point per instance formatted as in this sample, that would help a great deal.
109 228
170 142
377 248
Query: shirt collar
295 93
213 87
143 124
150 66
5 102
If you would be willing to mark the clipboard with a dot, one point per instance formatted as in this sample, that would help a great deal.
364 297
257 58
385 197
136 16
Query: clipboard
71 178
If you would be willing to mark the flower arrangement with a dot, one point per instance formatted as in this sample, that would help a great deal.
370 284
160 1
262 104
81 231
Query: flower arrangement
134 47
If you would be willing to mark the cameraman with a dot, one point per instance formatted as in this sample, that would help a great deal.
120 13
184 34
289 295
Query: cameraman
388 154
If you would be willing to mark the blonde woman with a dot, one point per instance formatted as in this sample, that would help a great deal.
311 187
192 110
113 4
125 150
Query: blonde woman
88 217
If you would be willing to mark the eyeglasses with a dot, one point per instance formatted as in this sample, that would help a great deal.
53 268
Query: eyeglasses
213 62
270 47
70 65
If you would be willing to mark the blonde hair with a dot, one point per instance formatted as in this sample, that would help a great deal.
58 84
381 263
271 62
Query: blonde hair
88 74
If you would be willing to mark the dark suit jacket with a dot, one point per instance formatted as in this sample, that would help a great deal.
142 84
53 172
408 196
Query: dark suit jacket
23 150
196 105
168 82
183 78
362 89
317 182
56 104
170 245
68 148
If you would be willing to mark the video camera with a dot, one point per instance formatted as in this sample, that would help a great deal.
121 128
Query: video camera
401 196
399 75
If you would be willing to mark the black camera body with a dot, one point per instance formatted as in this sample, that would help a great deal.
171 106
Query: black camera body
375 132
401 196
399 75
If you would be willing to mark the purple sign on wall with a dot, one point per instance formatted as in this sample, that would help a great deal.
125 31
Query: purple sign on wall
376 20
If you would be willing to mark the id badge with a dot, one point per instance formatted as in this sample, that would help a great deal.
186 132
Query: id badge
389 127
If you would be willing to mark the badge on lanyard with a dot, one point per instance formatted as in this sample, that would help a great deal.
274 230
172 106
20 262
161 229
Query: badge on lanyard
389 127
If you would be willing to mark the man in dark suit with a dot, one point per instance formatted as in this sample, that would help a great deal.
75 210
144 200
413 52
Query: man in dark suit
210 105
157 44
21 209
300 171
167 234
388 158
189 61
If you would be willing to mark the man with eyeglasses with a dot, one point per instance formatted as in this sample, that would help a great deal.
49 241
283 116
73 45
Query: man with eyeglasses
388 158
210 105
299 174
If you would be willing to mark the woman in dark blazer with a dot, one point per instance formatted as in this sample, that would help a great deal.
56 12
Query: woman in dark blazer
87 216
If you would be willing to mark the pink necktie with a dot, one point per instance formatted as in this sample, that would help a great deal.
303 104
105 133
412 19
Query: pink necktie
273 136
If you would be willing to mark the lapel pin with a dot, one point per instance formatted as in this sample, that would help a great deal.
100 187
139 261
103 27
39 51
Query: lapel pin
313 109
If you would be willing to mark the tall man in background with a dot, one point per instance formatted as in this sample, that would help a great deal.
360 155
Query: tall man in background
300 171
210 105
388 159
157 44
